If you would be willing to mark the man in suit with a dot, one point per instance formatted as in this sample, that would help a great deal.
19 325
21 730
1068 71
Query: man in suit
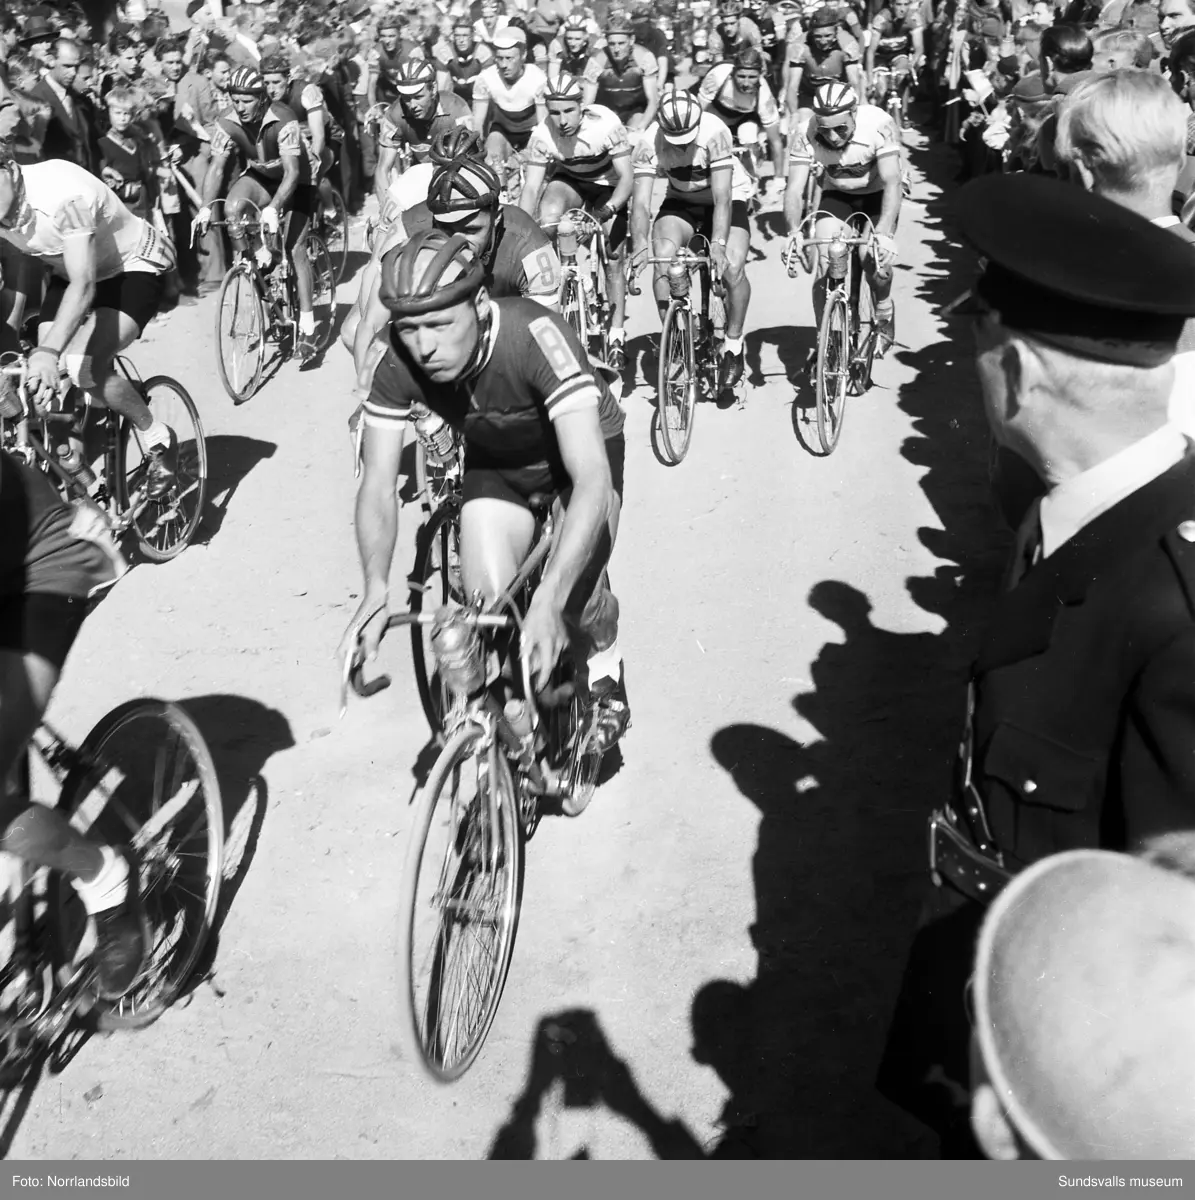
1080 728
67 135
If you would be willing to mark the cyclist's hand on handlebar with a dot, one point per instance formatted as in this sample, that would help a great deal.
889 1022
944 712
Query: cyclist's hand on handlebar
638 261
203 218
718 259
364 634
269 218
792 254
42 379
884 249
542 640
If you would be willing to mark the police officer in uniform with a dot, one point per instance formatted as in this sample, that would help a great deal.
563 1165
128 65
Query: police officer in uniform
1080 729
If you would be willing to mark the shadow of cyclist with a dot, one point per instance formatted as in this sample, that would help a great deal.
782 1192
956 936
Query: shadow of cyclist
230 458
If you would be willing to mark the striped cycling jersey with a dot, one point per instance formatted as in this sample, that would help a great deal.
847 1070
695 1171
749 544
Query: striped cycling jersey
622 88
689 168
588 156
512 105
854 168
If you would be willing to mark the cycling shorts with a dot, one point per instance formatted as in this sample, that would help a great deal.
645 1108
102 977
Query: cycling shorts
137 294
517 139
593 196
516 485
41 623
842 205
701 216
303 201
896 63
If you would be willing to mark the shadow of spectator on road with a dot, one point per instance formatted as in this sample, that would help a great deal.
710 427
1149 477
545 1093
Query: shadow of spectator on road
574 1067
242 735
230 458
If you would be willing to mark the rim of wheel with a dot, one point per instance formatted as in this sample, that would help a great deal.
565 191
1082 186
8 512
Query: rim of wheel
152 784
241 328
463 888
833 370
437 583
323 301
167 525
676 390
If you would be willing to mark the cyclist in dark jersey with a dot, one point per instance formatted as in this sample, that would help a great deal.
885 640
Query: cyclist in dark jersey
827 55
277 172
515 381
392 51
464 197
897 44
414 121
53 557
570 50
467 60
624 77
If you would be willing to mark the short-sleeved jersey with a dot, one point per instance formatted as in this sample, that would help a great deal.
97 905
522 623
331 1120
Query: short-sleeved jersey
401 130
588 156
386 65
38 554
262 146
854 169
892 36
734 107
622 88
464 70
723 48
573 64
512 105
523 262
65 201
689 168
798 42
533 371
818 68
304 97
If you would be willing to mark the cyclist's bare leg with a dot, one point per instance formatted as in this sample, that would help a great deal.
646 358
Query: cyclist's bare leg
498 153
557 199
669 234
738 286
827 227
304 276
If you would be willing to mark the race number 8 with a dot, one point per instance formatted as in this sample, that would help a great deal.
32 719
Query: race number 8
555 348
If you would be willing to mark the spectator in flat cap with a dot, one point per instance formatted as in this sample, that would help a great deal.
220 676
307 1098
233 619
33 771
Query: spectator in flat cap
1083 992
1081 713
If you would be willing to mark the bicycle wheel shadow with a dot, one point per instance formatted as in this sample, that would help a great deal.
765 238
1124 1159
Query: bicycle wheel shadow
230 458
242 735
573 1067
16 1095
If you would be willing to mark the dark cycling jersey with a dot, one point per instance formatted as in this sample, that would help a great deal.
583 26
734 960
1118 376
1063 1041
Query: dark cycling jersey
38 555
400 129
261 145
818 68
464 73
893 36
533 370
385 89
523 261
305 98
621 87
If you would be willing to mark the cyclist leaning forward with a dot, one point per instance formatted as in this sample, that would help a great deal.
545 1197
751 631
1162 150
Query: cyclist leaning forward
898 45
624 76
708 192
277 173
514 380
580 158
107 270
508 100
857 150
53 557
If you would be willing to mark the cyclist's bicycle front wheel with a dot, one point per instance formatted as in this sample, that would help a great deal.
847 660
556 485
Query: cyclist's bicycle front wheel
834 343
435 582
145 778
462 886
323 275
334 232
241 332
676 390
164 526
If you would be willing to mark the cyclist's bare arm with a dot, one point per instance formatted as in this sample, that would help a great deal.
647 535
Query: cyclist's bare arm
792 93
626 181
377 507
794 196
373 319
651 89
662 76
869 55
918 48
641 211
854 76
589 96
541 110
317 127
721 174
776 146
387 159
290 181
79 263
534 178
481 112
888 169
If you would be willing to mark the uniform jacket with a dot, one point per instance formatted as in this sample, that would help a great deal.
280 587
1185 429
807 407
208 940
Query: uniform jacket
1084 715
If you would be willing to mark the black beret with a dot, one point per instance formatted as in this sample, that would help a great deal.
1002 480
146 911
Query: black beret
1077 270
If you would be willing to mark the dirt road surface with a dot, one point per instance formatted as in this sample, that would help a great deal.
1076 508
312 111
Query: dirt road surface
708 956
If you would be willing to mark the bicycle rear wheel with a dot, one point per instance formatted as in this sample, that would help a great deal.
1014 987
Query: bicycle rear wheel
573 307
334 232
676 390
241 333
167 525
462 886
435 582
323 301
145 778
833 368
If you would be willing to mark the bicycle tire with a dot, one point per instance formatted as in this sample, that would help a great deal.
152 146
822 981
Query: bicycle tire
423 1027
572 307
863 338
323 298
165 527
435 581
584 762
334 233
677 384
117 749
833 368
248 305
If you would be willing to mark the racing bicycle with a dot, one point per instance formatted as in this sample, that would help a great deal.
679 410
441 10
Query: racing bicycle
71 434
584 296
258 308
848 333
143 777
507 756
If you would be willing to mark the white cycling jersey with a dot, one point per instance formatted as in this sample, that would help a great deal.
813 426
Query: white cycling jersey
64 201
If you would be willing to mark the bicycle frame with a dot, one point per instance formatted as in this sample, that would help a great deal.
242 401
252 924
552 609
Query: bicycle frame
590 234
859 232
